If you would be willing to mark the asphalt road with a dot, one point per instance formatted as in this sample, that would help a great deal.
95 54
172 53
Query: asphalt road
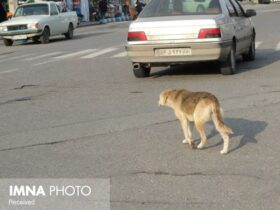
73 109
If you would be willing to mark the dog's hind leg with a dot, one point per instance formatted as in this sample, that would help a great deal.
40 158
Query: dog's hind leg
226 143
201 116
221 128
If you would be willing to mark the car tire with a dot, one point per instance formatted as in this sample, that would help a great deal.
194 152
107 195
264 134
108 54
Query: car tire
8 42
228 67
250 55
35 39
141 71
45 37
70 32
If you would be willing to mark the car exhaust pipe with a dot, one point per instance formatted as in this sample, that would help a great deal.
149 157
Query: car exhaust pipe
136 66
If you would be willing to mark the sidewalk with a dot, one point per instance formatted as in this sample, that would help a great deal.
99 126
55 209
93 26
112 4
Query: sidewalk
273 6
256 2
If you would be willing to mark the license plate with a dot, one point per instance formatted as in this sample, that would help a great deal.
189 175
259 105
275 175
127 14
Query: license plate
173 52
19 37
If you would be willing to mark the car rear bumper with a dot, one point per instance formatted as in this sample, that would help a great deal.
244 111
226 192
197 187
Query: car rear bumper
201 51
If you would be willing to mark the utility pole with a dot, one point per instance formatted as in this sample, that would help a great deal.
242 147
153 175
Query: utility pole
12 5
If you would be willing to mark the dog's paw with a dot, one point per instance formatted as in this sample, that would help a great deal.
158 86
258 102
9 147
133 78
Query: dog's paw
200 146
223 152
193 145
185 141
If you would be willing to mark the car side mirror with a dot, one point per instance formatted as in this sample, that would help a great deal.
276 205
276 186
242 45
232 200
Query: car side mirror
250 13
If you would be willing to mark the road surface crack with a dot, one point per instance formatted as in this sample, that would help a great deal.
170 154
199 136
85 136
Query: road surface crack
28 98
162 173
25 86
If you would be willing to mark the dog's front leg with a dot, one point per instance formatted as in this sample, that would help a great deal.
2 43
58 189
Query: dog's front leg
186 130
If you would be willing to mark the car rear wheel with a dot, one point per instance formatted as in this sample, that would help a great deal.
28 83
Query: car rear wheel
45 37
228 67
8 42
250 55
70 32
141 71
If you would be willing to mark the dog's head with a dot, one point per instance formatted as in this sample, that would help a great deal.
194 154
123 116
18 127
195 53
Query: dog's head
163 98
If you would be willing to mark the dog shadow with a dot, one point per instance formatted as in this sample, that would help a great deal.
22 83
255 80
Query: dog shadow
246 129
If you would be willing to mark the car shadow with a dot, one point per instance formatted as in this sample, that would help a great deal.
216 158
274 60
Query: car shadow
246 129
188 69
264 57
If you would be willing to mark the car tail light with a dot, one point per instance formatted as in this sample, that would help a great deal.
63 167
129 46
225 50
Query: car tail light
136 36
209 33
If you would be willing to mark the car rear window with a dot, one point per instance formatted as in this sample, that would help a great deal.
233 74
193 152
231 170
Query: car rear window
157 8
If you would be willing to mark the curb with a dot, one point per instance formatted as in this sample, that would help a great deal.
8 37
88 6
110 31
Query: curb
115 19
85 24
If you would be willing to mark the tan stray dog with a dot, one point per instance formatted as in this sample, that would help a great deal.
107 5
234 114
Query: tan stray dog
196 108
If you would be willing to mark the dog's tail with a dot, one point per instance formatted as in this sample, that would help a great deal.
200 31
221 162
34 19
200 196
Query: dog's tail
217 113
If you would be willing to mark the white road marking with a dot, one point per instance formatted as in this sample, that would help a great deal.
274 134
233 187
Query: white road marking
257 44
277 48
45 62
75 54
95 32
8 71
120 55
4 56
42 56
15 58
101 52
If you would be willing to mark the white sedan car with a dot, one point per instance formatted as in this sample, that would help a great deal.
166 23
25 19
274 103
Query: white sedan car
170 32
38 21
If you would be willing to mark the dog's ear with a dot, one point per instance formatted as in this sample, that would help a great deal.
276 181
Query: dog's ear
165 95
